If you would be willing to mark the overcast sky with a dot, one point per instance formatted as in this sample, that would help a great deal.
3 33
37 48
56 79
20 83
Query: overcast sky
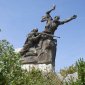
19 17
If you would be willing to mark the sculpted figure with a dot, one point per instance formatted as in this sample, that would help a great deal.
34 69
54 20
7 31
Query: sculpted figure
56 22
40 48
31 41
48 18
52 24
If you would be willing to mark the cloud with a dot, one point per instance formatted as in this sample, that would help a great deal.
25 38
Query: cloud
18 50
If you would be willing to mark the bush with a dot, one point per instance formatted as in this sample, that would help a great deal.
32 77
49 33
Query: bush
81 71
10 68
70 70
12 74
80 64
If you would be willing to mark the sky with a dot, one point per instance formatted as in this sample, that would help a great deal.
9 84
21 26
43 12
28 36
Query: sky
19 17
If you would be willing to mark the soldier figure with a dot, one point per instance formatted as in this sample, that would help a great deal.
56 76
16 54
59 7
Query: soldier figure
52 24
56 22
48 18
31 41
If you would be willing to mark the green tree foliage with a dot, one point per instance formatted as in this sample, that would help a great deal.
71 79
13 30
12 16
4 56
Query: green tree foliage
12 74
81 71
68 70
10 68
80 64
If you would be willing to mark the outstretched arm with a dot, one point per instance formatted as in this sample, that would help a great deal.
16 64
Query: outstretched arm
67 20
53 8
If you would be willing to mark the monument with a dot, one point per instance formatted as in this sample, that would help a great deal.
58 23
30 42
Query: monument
39 49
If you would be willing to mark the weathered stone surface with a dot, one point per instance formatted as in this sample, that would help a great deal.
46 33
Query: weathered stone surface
42 67
69 77
44 53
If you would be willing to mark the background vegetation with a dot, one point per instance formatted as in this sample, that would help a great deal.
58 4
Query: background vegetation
12 74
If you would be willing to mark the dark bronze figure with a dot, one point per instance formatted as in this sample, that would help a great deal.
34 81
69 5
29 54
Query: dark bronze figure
52 24
40 47
48 18
56 22
31 41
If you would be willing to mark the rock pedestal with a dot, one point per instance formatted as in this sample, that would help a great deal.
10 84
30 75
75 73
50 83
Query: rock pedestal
42 67
41 55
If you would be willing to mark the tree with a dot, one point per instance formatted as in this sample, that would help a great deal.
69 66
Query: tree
81 71
80 65
68 70
12 74
10 69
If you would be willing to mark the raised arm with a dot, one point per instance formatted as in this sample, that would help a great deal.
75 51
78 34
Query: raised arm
47 16
53 8
67 20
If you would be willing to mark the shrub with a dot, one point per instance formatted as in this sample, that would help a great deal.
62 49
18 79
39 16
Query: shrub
70 70
12 74
80 64
9 63
81 71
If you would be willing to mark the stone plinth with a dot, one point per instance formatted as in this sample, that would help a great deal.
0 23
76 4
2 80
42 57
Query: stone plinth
41 53
42 67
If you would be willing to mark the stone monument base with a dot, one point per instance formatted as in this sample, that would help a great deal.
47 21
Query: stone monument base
42 67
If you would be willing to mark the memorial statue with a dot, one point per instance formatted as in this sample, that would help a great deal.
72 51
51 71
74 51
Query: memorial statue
40 47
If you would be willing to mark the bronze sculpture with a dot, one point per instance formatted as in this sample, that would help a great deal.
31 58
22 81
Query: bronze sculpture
52 24
31 41
56 22
41 47
48 18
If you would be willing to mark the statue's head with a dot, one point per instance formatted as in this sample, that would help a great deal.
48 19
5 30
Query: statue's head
35 30
56 18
